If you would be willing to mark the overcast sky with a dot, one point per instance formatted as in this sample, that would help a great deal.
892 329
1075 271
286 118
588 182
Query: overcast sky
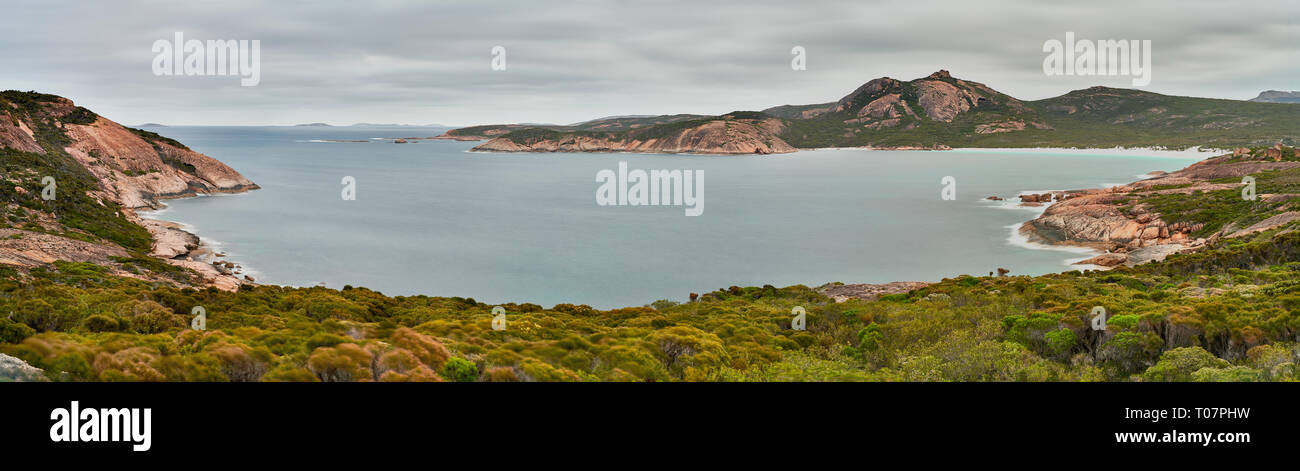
421 62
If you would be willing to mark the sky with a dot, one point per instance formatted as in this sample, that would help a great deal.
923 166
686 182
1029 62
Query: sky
423 62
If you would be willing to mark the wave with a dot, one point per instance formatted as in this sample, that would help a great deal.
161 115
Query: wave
1016 239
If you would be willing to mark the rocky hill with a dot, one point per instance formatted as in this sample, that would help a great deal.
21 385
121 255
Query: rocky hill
101 173
728 134
1275 96
936 111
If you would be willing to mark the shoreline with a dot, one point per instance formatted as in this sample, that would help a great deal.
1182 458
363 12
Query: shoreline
1197 152
1016 238
1023 237
179 243
1192 153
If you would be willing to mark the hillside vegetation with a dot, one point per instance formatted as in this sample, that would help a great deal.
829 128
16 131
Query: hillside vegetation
940 110
1229 314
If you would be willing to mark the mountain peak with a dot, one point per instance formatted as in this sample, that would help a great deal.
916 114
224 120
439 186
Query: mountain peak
941 74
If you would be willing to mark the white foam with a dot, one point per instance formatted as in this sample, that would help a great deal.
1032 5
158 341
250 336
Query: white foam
1020 240
1015 204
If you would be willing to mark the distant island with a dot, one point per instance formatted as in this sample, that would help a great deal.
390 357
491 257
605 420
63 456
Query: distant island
373 125
394 125
938 111
150 125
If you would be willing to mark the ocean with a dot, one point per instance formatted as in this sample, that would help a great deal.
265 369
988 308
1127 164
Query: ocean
429 217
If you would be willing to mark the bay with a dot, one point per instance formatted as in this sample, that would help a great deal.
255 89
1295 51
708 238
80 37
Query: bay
432 218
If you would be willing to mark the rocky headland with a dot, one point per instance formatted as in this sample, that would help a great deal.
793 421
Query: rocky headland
1143 221
725 135
117 167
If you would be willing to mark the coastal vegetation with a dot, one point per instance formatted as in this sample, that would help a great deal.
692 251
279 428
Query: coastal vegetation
1231 313
76 212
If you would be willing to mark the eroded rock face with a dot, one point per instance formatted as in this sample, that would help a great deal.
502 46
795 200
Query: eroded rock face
37 249
15 133
884 101
1084 220
942 101
1106 260
139 172
169 241
866 93
883 112
134 169
1270 223
714 137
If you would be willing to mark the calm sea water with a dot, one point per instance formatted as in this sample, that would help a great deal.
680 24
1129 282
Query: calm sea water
431 218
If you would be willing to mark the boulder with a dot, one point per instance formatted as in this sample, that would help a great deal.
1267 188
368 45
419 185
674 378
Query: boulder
13 369
1105 260
1152 253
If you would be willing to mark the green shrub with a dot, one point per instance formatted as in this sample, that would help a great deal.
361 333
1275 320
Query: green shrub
1179 364
1061 341
14 332
869 337
459 369
324 339
100 323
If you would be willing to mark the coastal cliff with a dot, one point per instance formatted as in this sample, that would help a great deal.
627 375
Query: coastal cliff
101 173
1177 212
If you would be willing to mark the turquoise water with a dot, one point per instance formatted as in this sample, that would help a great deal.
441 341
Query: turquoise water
431 218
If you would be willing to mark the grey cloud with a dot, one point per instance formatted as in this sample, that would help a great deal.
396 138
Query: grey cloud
422 62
